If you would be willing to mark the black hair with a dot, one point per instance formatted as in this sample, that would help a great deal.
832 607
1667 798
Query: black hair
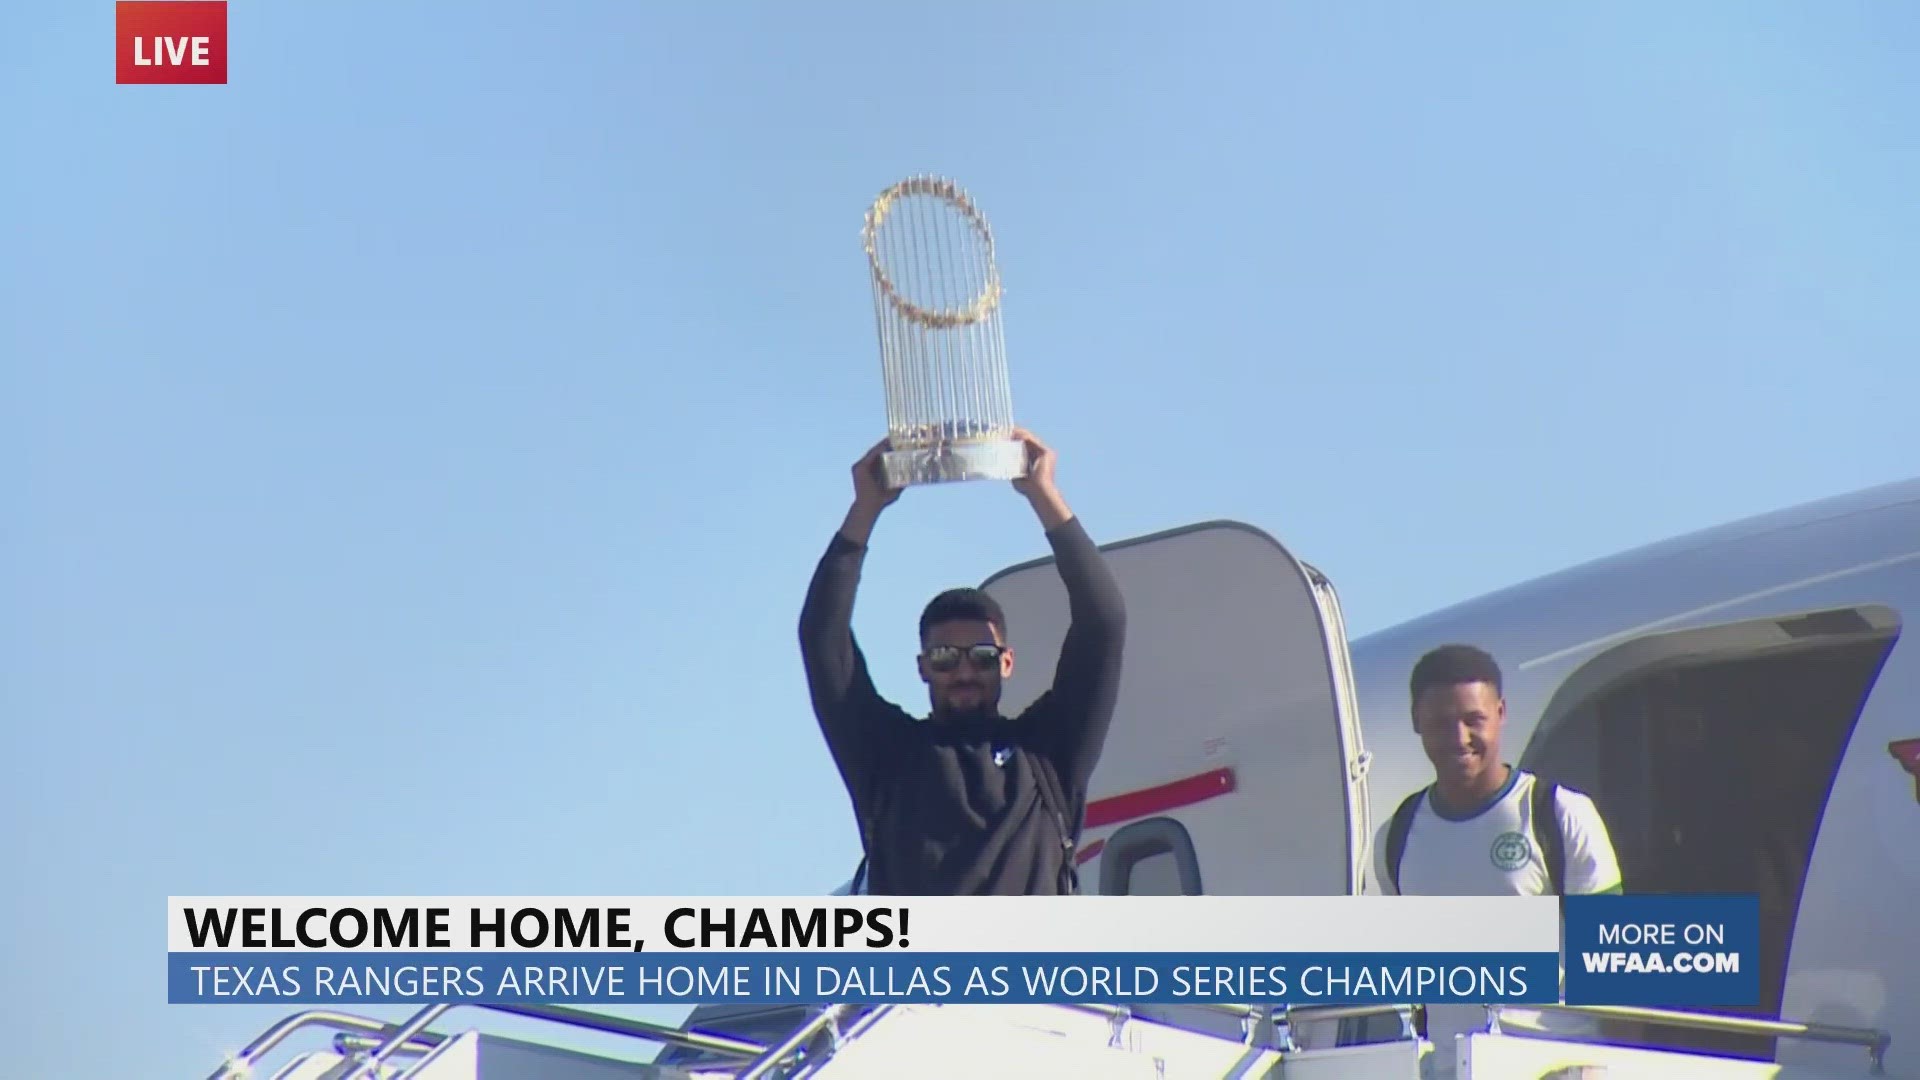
1450 665
955 605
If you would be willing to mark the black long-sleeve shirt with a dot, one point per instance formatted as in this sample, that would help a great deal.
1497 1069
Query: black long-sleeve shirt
960 808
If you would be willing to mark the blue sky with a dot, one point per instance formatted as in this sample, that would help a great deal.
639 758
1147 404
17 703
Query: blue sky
417 448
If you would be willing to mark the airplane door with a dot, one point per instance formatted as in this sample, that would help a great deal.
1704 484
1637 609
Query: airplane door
1235 763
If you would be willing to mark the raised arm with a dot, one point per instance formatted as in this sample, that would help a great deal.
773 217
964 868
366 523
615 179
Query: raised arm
1086 679
845 702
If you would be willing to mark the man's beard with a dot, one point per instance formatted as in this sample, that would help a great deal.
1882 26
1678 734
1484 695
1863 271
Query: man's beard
983 706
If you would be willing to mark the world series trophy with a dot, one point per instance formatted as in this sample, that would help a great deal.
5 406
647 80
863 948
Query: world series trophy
936 298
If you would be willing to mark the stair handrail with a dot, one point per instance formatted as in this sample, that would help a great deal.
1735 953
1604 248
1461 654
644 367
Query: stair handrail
240 1064
827 1018
411 1036
416 1039
620 1025
347 1045
561 1014
1250 1016
1294 1015
1873 1040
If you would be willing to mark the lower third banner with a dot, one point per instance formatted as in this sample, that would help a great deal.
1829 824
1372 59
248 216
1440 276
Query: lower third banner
1355 978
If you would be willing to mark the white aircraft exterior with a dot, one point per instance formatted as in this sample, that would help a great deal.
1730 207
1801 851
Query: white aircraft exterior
1740 703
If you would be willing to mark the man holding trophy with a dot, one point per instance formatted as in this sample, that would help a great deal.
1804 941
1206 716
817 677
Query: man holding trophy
967 802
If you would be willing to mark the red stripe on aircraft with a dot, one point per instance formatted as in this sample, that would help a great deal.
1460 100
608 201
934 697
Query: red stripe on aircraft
1088 851
1907 753
1158 800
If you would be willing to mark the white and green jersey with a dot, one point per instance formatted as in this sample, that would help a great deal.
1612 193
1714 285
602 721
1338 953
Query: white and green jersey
1493 850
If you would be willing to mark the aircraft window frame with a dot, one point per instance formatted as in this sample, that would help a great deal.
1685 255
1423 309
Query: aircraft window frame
1138 841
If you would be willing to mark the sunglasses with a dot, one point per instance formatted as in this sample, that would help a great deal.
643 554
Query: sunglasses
945 658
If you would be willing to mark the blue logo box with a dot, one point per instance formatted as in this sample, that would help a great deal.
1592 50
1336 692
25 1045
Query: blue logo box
1663 951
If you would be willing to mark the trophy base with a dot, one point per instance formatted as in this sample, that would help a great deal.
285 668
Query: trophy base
951 462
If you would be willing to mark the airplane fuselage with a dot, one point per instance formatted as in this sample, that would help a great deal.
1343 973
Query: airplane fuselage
1736 701
1740 703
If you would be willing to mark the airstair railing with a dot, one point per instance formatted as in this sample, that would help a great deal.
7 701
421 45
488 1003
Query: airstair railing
1295 1015
1117 1016
1875 1042
827 1020
411 1030
411 1037
620 1025
1250 1016
241 1064
369 1066
348 1045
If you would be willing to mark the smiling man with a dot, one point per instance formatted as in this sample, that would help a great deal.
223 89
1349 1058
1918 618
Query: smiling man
1485 828
967 802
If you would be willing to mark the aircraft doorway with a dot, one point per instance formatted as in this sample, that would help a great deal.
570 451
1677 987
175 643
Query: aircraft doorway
1710 754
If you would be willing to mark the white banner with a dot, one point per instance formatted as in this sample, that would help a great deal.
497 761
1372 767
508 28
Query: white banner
666 924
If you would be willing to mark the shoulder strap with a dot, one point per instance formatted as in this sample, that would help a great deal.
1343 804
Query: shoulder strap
1068 821
1397 831
1546 832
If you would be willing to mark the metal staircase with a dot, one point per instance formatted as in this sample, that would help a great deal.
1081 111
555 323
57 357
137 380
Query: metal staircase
852 1042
